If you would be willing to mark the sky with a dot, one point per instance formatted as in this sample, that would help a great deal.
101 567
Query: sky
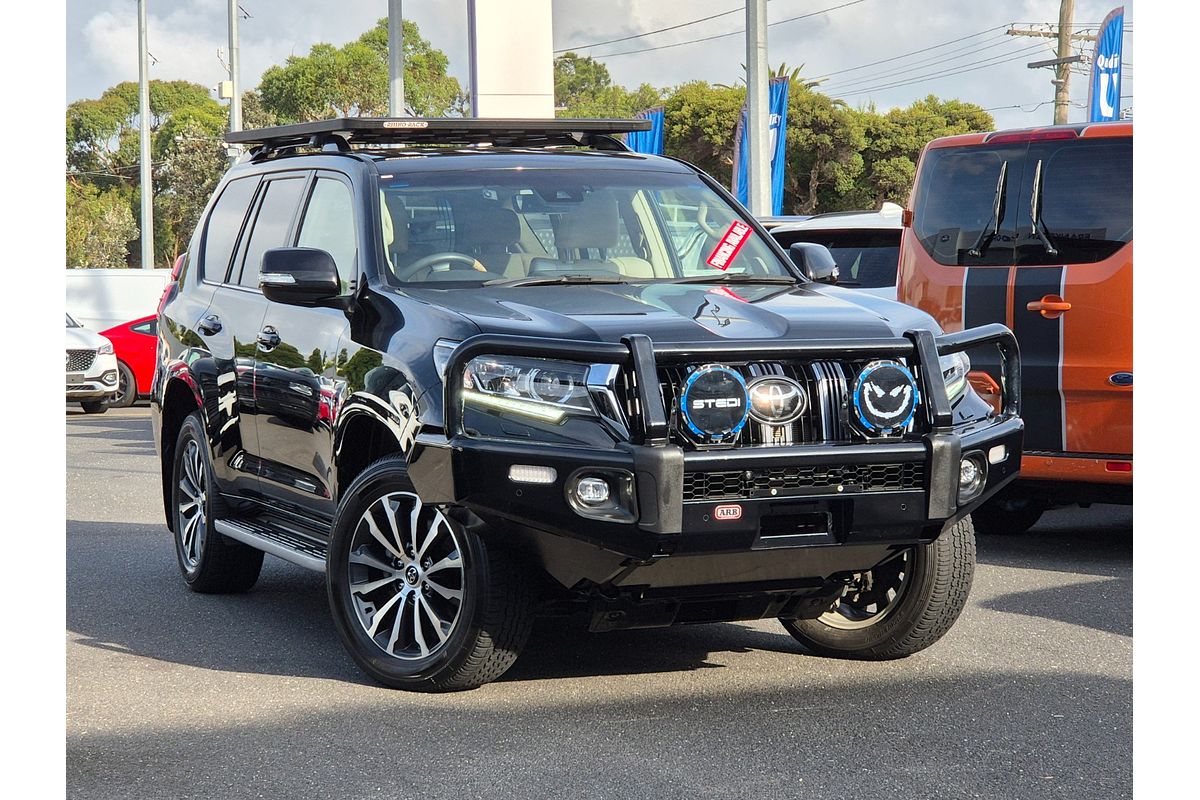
985 67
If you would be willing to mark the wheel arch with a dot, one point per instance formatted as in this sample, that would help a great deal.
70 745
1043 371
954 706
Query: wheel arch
181 397
364 435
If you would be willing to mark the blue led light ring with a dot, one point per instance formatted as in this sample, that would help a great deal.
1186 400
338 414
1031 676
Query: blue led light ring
687 387
861 382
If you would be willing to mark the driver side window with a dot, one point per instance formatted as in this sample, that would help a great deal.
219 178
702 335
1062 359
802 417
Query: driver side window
329 225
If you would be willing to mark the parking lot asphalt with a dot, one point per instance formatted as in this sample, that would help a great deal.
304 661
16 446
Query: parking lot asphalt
177 695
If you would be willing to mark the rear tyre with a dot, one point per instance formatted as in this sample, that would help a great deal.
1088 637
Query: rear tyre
126 387
94 406
1008 515
210 563
421 602
901 606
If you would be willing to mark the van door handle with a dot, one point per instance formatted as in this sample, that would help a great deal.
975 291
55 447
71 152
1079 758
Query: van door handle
268 339
1051 306
210 325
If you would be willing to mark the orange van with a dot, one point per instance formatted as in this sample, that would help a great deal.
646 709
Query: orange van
1034 228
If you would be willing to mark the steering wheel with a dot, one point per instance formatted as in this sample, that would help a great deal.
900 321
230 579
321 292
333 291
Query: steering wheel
702 221
438 258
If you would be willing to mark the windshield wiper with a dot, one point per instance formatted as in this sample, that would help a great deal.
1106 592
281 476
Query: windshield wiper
986 236
545 280
735 277
1035 211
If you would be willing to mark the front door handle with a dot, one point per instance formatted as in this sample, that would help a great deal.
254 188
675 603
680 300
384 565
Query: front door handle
1051 306
268 339
210 325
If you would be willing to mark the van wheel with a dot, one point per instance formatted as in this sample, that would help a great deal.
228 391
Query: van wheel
420 601
1008 515
899 607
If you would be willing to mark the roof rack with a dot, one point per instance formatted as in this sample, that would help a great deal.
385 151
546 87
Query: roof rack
337 135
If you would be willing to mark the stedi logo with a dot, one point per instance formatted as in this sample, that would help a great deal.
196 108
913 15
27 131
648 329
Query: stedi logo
717 402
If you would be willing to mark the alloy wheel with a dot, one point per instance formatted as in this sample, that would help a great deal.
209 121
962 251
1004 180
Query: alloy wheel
192 513
406 576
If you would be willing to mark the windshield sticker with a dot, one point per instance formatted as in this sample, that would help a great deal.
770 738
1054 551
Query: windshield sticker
727 249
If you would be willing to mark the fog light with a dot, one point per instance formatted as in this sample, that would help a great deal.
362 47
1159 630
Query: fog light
528 473
109 377
972 475
997 454
592 491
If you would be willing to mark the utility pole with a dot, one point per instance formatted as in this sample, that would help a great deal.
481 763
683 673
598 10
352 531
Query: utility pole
147 221
395 59
1062 64
758 165
235 102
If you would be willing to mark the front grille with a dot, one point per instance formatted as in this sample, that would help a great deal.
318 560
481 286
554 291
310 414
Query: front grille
80 360
78 387
752 483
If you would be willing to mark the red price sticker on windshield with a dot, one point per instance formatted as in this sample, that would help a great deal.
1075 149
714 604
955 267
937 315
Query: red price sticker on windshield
727 249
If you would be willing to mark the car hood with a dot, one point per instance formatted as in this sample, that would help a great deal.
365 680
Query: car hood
679 312
84 339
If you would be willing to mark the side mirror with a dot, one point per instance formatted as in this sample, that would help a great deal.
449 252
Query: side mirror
299 276
815 261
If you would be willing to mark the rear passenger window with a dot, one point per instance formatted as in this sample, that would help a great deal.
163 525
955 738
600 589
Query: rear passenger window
275 213
224 225
329 225
149 328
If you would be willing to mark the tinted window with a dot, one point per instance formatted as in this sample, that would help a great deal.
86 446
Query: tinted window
329 225
865 258
1086 201
271 226
953 211
149 328
224 225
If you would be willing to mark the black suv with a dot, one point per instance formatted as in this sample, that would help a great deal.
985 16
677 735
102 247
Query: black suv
474 370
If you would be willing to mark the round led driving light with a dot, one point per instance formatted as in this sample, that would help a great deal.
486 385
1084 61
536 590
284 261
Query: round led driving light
592 491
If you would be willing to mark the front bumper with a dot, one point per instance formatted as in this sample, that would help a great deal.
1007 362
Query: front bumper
810 510
99 381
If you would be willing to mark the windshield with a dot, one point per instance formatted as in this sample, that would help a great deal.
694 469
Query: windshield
517 224
72 323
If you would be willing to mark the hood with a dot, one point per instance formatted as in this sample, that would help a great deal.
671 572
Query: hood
83 339
680 312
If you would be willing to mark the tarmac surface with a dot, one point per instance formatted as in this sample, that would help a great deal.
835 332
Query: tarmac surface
176 695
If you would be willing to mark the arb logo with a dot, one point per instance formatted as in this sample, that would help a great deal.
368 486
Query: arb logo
727 512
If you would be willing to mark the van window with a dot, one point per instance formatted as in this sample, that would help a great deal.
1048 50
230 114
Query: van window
224 225
271 225
1086 201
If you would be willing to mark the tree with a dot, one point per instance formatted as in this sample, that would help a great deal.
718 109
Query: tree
191 168
100 226
352 80
824 152
699 124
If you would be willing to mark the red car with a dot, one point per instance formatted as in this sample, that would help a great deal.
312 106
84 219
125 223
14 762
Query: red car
135 343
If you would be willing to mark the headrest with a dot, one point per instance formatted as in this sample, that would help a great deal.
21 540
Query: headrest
592 224
395 214
486 223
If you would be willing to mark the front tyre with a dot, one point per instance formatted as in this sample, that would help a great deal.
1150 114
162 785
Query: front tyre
94 406
126 388
901 606
421 602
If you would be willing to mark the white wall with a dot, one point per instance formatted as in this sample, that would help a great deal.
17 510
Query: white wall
512 58
98 299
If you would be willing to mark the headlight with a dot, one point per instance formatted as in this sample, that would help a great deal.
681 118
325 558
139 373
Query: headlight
532 387
105 349
955 367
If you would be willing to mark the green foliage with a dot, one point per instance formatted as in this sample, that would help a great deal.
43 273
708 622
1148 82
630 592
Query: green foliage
824 152
190 169
352 80
583 88
100 226
700 121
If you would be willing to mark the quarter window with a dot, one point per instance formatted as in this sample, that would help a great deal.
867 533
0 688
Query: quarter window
224 225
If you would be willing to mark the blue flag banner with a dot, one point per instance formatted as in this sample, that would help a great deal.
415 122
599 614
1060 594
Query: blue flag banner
777 146
1104 88
650 141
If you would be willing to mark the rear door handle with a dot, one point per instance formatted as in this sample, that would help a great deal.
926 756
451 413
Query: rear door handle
268 339
1051 306
210 325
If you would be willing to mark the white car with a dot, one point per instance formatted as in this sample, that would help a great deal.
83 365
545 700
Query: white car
91 368
865 245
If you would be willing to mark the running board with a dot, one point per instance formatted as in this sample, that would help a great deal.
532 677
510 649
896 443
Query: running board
290 547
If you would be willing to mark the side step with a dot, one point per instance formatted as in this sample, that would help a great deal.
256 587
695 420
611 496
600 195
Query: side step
299 550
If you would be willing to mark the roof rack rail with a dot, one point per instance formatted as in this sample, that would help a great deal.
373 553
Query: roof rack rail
341 134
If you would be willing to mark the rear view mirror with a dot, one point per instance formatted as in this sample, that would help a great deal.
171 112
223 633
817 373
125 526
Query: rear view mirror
815 261
298 276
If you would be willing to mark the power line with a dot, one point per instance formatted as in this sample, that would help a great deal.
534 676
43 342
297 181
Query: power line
738 32
913 52
651 33
942 58
1016 55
